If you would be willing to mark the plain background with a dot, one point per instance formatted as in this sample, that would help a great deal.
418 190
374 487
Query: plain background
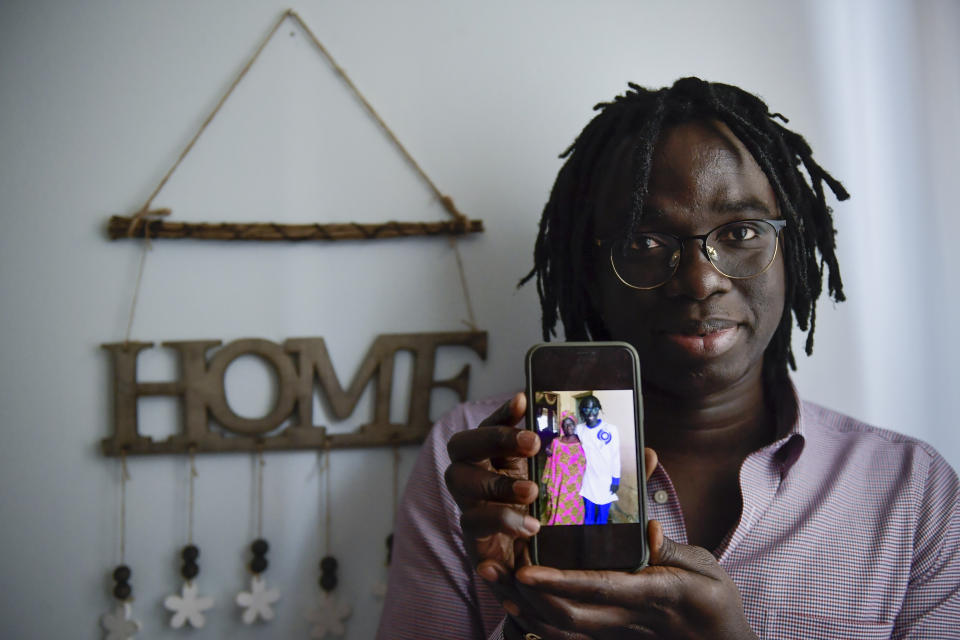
97 99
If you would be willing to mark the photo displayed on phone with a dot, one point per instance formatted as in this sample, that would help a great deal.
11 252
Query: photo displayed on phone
587 464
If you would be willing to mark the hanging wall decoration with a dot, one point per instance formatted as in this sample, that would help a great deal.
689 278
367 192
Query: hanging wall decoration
258 603
188 607
302 366
329 613
119 623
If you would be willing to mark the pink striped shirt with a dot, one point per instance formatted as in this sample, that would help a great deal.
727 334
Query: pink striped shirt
847 531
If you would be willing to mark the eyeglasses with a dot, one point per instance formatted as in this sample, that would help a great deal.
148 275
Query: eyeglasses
739 250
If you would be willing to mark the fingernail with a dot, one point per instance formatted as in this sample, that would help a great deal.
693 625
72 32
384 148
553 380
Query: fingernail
524 489
487 573
526 439
511 608
530 525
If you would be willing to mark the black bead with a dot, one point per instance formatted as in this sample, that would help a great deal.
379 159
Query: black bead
258 564
259 547
190 553
122 591
189 570
121 573
328 581
328 564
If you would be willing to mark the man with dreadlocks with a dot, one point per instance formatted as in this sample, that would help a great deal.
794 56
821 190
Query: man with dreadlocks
691 223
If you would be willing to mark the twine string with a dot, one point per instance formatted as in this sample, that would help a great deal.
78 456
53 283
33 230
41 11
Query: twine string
471 320
396 479
261 463
445 200
136 288
190 478
145 213
213 114
124 477
326 503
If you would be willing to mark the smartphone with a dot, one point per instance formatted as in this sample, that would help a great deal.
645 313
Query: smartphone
584 402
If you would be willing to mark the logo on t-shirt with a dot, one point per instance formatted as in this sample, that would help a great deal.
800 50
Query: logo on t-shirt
604 436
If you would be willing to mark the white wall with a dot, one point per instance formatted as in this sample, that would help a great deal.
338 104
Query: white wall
98 98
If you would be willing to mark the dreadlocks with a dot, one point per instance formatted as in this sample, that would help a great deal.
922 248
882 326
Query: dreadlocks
564 244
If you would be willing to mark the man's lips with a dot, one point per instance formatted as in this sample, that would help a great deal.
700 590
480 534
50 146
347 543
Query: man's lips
709 337
698 327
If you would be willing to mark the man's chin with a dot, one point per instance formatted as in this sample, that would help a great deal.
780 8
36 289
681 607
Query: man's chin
696 380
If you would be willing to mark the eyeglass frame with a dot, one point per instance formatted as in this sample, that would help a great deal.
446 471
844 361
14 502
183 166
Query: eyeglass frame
778 225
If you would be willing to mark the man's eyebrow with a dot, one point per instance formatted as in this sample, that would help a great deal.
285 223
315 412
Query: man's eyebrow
652 213
742 205
750 204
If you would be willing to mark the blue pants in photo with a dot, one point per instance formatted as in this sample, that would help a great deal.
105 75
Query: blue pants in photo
595 513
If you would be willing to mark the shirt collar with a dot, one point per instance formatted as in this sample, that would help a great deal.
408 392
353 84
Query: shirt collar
792 432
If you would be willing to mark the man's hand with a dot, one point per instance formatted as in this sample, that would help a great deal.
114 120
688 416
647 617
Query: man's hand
684 594
487 477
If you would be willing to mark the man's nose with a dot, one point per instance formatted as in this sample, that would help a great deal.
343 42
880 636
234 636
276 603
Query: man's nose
696 277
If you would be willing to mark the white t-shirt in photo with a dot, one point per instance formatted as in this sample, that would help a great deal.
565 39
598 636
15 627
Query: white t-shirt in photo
601 446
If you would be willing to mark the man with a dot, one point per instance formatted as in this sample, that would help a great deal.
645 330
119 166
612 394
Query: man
601 446
690 223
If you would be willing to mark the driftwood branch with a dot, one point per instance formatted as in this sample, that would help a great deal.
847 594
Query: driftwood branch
131 227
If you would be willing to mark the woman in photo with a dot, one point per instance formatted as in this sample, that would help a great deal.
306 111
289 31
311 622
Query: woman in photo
563 475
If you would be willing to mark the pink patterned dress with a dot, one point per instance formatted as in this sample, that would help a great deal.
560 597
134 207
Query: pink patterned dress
562 477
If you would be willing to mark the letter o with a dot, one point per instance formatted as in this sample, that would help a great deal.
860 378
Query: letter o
271 353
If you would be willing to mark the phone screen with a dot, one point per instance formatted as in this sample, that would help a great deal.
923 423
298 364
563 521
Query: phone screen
585 408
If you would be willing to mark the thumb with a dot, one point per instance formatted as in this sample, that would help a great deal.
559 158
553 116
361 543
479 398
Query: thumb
649 461
667 553
509 413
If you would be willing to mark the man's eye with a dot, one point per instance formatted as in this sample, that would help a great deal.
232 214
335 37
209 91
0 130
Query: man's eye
646 243
738 233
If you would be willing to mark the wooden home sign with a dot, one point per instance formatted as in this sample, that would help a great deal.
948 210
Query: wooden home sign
300 365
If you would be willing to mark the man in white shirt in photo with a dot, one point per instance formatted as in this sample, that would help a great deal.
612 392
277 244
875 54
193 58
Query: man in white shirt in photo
601 445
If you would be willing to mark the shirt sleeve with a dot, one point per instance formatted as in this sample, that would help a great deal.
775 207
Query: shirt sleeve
931 606
433 591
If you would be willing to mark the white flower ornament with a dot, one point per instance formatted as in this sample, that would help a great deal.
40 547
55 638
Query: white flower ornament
327 616
118 624
257 601
188 607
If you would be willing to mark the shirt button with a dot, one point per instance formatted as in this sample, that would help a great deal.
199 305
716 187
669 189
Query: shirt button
660 496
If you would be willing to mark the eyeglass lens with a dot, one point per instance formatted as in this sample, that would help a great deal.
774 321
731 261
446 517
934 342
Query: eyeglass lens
740 249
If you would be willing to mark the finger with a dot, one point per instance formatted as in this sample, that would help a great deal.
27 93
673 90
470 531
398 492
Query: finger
488 519
509 413
583 586
527 626
494 572
470 484
650 461
515 604
665 552
475 445
552 616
